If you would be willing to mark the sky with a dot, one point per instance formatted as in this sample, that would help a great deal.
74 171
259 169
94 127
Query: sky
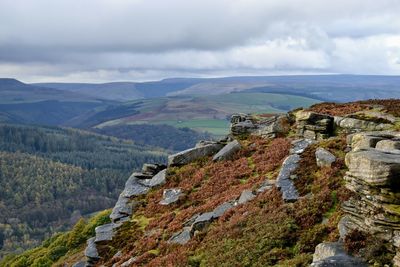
141 40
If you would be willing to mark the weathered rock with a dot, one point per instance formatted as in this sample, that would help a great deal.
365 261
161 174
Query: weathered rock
388 144
171 195
133 187
299 145
333 254
123 208
340 261
227 151
152 169
104 233
313 125
181 237
193 154
159 179
273 126
328 249
324 158
283 181
354 125
266 185
221 209
79 264
129 262
202 221
246 196
91 250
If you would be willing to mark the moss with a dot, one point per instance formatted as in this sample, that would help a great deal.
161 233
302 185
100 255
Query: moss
142 221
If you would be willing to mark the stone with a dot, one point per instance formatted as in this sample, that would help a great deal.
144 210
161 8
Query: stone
374 167
181 237
170 196
246 196
79 264
339 261
91 250
159 179
360 125
388 144
283 181
129 262
227 151
312 125
328 249
221 209
273 126
104 233
202 221
133 187
123 208
299 145
324 158
266 185
152 169
193 154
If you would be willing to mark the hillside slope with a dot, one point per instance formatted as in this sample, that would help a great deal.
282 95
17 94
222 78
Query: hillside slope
272 194
50 176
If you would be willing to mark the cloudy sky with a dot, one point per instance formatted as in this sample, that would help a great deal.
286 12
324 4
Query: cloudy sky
109 40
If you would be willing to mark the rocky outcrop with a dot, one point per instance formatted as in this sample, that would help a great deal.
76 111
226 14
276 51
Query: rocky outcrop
284 181
268 127
201 150
374 178
227 151
333 254
91 252
357 125
313 125
171 196
324 158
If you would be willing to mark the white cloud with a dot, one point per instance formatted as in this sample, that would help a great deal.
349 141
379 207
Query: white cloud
100 40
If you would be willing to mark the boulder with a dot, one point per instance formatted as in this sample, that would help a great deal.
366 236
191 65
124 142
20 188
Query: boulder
104 233
246 196
134 186
283 181
324 158
159 179
170 196
388 144
123 208
333 254
221 209
299 145
273 126
79 264
227 151
193 154
202 221
181 237
354 125
152 169
311 125
91 251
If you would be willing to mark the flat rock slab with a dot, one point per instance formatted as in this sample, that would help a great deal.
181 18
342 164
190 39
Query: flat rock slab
193 154
374 167
324 158
221 209
152 169
266 185
284 183
133 187
104 233
79 264
123 208
331 254
159 179
227 151
246 196
299 145
171 195
181 238
91 250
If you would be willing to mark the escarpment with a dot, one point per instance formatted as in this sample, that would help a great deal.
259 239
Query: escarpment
297 189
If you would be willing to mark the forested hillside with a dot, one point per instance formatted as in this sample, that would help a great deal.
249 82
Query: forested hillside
51 176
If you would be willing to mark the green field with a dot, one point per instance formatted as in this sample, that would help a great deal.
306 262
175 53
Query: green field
206 113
